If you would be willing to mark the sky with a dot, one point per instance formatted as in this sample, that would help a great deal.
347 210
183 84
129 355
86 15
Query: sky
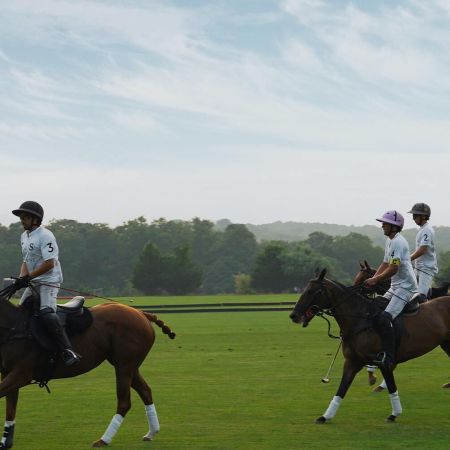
252 110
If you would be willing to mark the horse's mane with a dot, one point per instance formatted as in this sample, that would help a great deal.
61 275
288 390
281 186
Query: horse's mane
355 291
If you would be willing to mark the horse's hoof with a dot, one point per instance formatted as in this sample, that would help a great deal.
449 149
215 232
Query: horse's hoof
378 389
149 436
372 379
391 418
99 443
446 385
321 420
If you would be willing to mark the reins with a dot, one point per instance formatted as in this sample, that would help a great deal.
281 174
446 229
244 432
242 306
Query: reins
434 276
74 291
348 292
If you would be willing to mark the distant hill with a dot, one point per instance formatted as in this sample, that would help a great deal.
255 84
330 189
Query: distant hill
299 231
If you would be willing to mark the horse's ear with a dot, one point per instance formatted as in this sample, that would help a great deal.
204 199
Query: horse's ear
361 264
367 264
322 275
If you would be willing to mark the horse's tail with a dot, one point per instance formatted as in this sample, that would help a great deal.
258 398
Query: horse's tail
165 329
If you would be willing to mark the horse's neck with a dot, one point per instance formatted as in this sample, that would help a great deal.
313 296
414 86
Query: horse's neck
9 315
348 310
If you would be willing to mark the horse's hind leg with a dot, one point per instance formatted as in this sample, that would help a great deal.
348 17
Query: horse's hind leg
123 382
145 393
446 347
393 394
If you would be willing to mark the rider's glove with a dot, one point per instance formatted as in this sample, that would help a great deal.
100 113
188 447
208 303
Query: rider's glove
22 282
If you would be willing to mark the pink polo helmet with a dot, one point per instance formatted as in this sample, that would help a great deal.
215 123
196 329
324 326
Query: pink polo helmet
393 217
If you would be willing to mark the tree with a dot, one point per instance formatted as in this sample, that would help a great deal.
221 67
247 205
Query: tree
281 266
242 283
174 273
233 252
180 275
268 273
148 272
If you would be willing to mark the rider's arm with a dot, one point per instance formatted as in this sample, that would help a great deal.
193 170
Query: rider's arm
383 266
23 270
388 272
43 268
419 252
385 271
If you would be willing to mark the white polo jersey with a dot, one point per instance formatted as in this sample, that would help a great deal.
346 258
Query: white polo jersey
397 253
427 262
38 246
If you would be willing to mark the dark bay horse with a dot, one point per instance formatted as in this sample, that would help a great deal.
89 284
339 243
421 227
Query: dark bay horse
422 332
119 334
366 271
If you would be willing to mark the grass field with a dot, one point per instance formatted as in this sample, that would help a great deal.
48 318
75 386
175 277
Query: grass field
241 381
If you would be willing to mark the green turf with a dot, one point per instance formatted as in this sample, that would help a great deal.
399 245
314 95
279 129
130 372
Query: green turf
242 381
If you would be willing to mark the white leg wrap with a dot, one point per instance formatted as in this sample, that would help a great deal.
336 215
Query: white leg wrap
396 405
371 369
333 407
8 423
112 429
383 384
153 421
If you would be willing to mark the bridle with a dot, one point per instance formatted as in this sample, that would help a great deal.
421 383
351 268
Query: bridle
315 310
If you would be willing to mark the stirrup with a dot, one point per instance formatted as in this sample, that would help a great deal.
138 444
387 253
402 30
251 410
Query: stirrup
70 357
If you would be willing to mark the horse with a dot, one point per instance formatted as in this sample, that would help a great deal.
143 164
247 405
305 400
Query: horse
366 271
119 334
421 333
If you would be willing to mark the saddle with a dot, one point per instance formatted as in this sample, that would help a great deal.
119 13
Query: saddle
73 315
410 309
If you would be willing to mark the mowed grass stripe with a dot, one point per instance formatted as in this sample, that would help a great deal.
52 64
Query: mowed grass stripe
242 381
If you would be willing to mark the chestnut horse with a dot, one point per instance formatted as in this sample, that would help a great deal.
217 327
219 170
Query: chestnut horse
353 312
119 334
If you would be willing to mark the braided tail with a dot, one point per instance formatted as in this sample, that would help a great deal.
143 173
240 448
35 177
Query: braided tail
165 329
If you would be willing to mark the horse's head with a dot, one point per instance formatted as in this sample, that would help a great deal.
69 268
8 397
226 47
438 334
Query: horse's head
315 298
364 272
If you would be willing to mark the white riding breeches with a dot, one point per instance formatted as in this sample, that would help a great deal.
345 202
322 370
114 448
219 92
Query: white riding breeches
398 298
424 281
47 294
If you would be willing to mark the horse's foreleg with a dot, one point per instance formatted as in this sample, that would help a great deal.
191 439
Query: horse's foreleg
351 368
446 347
9 387
145 393
11 407
393 394
123 381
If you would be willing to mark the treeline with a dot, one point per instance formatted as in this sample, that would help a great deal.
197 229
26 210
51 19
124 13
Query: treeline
180 257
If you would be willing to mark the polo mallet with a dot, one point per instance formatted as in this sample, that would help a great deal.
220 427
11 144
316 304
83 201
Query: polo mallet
325 379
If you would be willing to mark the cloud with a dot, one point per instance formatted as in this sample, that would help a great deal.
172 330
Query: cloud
224 106
268 184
